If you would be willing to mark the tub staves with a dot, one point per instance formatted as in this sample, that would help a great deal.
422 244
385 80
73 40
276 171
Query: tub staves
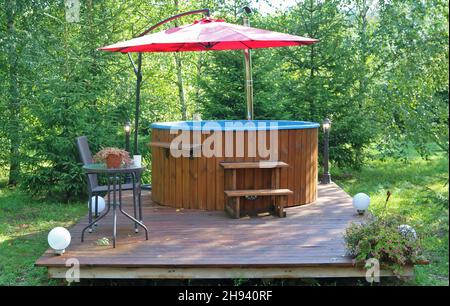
199 182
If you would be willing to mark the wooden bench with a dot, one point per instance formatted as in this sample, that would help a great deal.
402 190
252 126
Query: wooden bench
279 196
278 205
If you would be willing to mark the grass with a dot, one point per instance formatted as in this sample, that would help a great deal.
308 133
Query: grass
419 193
24 225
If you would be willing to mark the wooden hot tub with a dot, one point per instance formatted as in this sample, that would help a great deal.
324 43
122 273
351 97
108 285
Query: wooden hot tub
196 181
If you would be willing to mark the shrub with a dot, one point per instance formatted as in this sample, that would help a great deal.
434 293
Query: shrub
380 238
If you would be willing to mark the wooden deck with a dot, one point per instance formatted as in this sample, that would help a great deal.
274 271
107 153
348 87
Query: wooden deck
205 244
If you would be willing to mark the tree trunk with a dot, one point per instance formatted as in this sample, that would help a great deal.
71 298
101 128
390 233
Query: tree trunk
179 67
363 10
94 69
14 102
312 59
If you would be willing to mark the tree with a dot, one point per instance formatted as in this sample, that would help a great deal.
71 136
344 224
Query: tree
178 64
321 80
14 120
413 74
380 72
71 90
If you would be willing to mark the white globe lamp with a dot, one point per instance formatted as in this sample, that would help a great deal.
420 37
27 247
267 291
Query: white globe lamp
407 232
361 202
100 204
59 239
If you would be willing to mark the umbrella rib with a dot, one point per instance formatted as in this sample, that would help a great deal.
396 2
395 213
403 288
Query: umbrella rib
182 45
238 32
209 45
248 47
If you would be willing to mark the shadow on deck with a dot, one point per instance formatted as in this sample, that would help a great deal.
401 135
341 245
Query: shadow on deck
207 244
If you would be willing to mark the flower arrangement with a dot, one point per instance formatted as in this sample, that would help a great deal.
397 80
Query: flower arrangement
113 157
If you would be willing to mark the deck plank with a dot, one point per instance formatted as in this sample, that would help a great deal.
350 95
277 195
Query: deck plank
310 236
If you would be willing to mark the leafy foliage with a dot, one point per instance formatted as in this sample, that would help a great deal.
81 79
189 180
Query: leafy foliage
381 239
379 72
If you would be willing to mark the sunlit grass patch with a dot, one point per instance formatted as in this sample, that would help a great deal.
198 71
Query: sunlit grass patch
419 190
24 225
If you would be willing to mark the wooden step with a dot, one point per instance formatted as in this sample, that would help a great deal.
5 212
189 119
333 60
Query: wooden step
257 192
254 165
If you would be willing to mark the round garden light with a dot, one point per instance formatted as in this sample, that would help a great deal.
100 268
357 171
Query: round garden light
361 202
59 239
100 204
408 232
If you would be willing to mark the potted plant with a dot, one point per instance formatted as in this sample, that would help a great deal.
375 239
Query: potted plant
113 157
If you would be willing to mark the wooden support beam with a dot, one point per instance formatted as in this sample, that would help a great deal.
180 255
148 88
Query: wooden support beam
221 272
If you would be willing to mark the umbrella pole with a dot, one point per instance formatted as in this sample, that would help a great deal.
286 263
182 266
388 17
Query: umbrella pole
138 103
248 77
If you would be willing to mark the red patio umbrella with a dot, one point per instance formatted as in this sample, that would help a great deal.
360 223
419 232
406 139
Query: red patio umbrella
206 34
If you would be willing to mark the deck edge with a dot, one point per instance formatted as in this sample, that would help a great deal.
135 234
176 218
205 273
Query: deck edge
221 273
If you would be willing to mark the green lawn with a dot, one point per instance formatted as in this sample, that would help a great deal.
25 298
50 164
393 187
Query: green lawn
419 192
24 225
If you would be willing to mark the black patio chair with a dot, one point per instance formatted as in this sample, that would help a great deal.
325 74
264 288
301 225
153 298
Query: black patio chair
96 190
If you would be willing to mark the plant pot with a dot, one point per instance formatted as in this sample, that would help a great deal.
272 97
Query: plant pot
113 161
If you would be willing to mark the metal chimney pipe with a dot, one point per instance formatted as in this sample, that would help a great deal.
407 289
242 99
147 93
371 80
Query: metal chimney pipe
248 71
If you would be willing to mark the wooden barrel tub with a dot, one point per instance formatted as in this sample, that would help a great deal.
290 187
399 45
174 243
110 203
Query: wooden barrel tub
196 180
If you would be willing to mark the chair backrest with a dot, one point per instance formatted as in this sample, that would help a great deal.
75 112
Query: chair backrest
86 158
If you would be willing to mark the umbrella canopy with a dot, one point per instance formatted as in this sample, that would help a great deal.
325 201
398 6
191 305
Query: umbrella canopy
208 34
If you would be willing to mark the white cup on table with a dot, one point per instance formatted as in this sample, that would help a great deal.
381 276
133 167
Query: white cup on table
137 160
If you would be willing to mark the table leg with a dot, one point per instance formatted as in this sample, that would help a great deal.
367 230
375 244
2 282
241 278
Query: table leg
137 222
139 181
139 203
116 183
90 211
114 212
133 178
96 209
99 218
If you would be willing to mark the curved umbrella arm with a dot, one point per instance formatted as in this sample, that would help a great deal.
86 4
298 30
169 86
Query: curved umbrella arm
133 64
205 11
138 69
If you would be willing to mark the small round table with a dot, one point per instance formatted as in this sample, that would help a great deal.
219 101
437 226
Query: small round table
114 184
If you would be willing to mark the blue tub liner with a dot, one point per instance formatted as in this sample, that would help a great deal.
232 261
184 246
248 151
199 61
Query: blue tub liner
235 125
